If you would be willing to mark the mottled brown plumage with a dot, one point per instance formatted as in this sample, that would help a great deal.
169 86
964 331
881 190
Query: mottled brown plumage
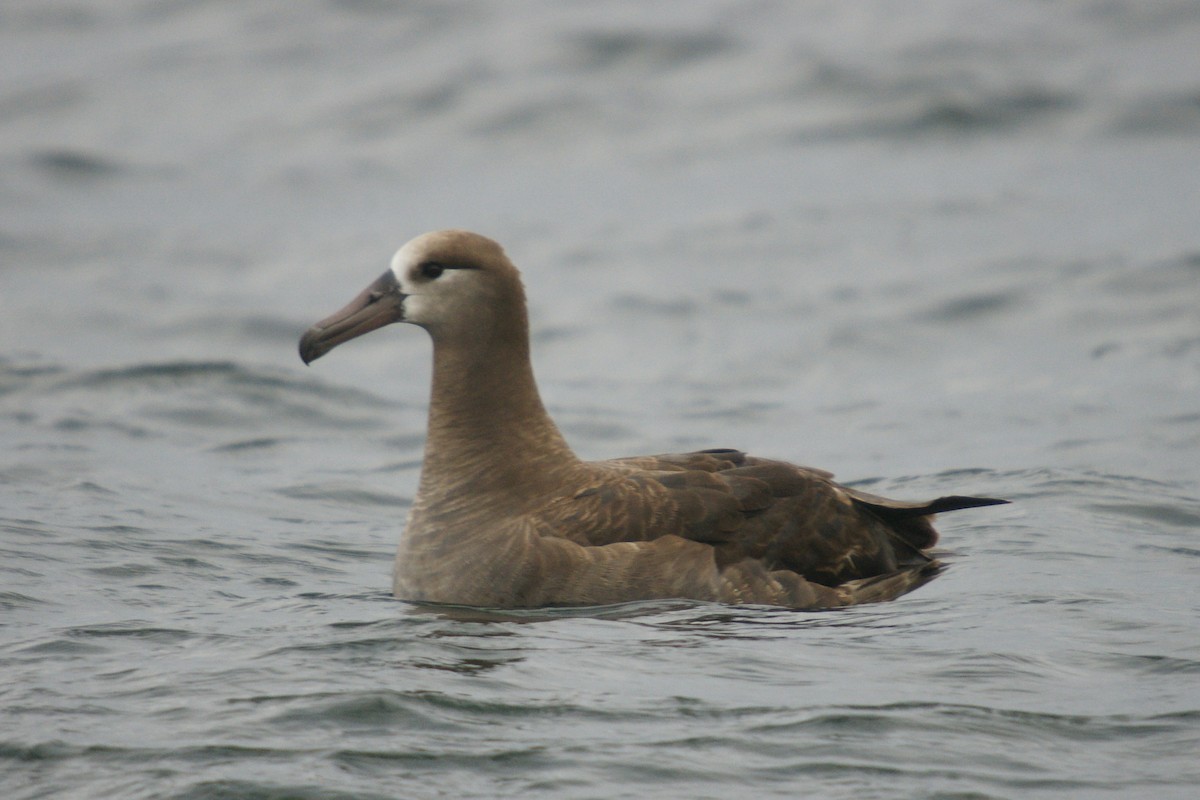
507 516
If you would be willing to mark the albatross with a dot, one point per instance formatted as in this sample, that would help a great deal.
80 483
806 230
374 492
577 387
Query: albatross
507 516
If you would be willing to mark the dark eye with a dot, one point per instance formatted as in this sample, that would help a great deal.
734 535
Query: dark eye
431 270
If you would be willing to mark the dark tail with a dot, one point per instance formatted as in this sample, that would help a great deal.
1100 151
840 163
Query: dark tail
898 509
910 521
952 503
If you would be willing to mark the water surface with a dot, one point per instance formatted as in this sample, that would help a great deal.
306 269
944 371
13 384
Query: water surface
949 251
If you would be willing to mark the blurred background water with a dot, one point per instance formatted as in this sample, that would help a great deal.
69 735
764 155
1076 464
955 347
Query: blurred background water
937 247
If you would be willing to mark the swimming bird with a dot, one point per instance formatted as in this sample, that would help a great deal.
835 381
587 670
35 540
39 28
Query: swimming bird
506 515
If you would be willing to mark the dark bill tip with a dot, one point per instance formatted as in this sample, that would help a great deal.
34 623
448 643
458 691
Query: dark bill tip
381 303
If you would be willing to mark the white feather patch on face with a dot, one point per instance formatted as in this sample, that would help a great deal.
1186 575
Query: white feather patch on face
402 263
426 301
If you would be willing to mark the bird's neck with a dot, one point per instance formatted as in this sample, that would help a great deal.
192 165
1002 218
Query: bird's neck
489 433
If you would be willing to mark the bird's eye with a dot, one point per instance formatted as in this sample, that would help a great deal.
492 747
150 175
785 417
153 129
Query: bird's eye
431 270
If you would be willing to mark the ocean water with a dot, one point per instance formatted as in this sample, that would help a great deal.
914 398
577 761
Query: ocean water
948 248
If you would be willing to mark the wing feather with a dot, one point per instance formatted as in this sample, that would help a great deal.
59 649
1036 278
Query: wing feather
759 517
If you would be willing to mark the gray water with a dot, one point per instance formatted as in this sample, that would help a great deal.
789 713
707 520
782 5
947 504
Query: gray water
936 247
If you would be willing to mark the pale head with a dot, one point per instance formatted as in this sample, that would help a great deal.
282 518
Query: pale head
453 280
458 285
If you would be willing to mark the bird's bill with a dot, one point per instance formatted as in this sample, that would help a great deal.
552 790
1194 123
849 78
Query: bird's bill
381 303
